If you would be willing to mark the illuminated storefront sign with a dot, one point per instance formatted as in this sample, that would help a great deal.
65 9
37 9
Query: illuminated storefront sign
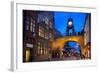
29 45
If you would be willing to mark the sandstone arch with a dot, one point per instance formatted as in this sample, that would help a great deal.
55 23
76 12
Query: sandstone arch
59 43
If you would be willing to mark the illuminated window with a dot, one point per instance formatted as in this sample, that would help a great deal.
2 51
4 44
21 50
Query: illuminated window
27 22
46 35
50 35
46 51
41 51
31 26
40 17
40 48
50 24
39 45
46 20
41 31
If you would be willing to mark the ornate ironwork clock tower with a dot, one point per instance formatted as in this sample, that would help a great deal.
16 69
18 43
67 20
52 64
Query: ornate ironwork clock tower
70 27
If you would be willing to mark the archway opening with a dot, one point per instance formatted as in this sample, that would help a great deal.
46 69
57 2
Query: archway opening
72 50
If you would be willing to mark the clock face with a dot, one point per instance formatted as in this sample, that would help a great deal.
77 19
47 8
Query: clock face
70 23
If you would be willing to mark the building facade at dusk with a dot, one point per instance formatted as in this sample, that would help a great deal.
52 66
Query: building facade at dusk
38 30
87 37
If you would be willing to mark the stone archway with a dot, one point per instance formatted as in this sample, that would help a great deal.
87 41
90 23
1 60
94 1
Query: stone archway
73 48
58 44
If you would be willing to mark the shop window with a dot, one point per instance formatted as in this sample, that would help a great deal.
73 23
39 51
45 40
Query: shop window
27 58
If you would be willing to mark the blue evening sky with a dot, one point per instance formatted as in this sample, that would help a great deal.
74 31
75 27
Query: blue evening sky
61 19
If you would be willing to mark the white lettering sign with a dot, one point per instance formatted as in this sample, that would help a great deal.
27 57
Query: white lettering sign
29 45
